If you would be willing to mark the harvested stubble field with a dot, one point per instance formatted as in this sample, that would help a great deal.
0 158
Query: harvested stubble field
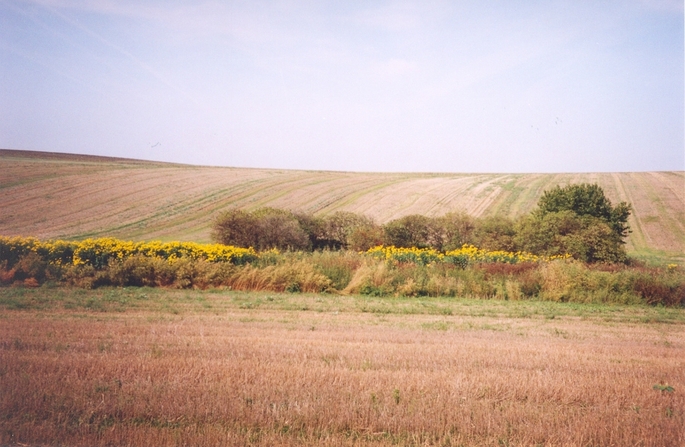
162 367
73 197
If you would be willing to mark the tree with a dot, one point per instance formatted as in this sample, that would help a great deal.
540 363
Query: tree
586 238
314 229
578 220
365 237
586 199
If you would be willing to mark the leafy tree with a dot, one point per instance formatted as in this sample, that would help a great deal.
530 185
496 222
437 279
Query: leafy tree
586 238
578 220
314 228
276 228
282 232
365 237
586 199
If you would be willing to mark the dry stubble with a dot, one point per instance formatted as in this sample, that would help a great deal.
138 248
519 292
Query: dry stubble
294 377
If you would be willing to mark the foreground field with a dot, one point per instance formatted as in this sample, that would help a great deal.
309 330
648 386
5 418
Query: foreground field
69 196
158 367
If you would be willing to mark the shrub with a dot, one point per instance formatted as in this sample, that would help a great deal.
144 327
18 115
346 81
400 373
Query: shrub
454 230
264 229
280 231
235 227
338 267
136 270
663 288
579 220
586 238
495 233
409 231
365 237
586 200
30 265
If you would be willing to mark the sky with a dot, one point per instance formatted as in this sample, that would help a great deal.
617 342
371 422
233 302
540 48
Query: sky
509 86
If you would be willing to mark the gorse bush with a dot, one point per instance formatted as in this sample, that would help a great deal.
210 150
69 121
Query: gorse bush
468 254
98 252
379 271
568 250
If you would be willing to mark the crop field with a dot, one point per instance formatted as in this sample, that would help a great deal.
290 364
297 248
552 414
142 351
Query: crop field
159 367
73 197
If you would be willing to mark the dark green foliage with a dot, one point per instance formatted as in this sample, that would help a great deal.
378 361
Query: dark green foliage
586 200
313 227
586 238
578 220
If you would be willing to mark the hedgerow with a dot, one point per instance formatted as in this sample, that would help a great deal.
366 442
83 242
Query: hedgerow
380 271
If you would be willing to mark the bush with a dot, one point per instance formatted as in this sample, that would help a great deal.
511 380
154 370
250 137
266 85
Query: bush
381 271
338 267
664 288
409 231
586 200
454 230
495 233
264 229
235 227
579 220
586 238
281 231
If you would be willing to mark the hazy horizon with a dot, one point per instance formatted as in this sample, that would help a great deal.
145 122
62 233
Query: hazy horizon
435 87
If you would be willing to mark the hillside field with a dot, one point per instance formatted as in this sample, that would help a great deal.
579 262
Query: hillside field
65 196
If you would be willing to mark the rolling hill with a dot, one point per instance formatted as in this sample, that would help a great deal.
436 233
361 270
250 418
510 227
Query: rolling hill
50 195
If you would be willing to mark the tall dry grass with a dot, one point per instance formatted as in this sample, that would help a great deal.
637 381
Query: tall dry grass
256 377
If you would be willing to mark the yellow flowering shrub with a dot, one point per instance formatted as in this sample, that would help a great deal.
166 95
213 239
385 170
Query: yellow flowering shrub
98 252
468 254
420 256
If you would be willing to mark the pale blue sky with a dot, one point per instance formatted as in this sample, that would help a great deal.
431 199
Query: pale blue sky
430 86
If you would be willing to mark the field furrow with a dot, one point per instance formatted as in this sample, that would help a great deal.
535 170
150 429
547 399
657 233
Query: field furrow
68 196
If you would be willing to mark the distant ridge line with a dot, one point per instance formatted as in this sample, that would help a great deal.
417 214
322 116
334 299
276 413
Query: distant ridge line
66 156
22 153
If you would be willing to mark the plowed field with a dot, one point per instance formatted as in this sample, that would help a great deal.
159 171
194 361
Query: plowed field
72 196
